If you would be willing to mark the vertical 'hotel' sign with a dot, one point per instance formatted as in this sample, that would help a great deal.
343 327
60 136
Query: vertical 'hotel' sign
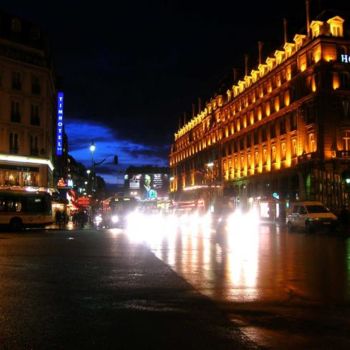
59 140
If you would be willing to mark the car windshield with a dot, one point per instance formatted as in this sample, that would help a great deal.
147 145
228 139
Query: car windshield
316 209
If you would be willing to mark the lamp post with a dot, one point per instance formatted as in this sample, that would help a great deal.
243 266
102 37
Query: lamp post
93 175
210 167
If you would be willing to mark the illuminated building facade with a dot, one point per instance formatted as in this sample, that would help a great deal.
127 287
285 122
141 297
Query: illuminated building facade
282 131
27 105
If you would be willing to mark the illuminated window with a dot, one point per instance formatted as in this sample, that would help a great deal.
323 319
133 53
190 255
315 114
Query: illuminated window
232 129
273 153
264 155
251 117
238 124
312 143
283 150
346 140
294 147
256 158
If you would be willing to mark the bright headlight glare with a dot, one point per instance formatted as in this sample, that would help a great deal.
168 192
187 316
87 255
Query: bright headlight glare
115 218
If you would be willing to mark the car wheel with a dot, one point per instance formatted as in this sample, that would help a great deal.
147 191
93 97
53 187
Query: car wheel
16 224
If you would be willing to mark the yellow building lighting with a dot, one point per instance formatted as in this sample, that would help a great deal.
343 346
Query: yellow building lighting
336 81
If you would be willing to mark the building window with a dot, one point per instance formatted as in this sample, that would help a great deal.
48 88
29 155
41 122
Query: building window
249 140
256 158
15 112
264 155
33 145
16 81
256 137
309 114
346 140
263 134
249 160
273 154
282 126
13 143
16 25
272 131
283 150
293 121
238 124
312 143
34 115
344 78
36 88
294 147
241 144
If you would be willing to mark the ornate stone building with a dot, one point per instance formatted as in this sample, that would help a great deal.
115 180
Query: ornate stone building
27 105
282 131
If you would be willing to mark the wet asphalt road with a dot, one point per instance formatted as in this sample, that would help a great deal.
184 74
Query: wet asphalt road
95 290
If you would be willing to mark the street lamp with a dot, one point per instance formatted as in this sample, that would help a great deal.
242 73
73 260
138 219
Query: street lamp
92 150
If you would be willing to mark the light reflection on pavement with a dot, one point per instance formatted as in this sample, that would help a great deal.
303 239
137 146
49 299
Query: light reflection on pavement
262 272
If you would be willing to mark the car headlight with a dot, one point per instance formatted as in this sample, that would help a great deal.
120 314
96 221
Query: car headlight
98 219
115 219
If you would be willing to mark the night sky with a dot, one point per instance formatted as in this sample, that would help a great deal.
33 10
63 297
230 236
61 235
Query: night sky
130 71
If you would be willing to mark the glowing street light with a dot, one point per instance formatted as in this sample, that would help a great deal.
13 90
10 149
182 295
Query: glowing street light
92 149
210 165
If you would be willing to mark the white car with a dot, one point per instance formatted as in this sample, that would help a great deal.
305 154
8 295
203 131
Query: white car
309 216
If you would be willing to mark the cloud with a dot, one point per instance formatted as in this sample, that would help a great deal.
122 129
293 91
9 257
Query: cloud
108 144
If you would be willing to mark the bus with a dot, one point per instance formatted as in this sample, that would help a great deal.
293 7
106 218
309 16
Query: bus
21 209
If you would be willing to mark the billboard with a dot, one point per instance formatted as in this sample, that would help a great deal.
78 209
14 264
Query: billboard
149 186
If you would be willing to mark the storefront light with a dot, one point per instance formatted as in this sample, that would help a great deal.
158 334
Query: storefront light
30 160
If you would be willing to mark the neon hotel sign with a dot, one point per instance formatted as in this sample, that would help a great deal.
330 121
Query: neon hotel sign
345 58
59 137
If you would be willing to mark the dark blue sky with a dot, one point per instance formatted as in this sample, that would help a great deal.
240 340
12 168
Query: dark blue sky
131 69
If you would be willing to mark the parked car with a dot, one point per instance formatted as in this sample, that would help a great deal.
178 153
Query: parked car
310 216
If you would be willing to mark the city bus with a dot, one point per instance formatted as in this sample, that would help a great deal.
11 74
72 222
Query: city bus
21 209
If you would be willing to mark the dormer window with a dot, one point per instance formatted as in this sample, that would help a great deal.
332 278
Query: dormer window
299 39
270 62
336 26
279 56
315 27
